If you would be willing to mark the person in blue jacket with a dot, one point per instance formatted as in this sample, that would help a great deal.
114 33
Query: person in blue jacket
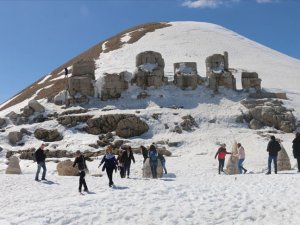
153 156
110 164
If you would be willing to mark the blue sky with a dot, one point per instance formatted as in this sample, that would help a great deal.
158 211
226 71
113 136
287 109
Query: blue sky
38 36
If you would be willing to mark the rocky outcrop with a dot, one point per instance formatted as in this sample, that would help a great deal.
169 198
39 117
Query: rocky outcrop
47 135
186 76
188 123
17 119
3 123
13 166
65 168
36 106
264 94
125 125
74 111
149 70
71 121
14 137
113 85
283 160
269 113
255 124
147 170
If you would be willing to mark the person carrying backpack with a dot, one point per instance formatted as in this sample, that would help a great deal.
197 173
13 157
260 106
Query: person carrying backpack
80 161
273 149
40 157
163 161
221 153
296 149
153 156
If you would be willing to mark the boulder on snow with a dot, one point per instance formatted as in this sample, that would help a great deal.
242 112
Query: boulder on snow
14 137
47 135
36 106
13 166
147 170
283 160
255 124
130 127
65 168
3 123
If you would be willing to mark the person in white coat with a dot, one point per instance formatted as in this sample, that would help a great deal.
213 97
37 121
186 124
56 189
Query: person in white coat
241 157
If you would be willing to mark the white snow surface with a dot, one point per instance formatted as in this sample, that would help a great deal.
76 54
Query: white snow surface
192 192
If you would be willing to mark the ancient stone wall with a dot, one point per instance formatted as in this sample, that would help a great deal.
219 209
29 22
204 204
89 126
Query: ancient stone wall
185 75
251 80
113 85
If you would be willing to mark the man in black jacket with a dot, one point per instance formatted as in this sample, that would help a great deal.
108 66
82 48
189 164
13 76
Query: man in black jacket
40 157
127 157
296 149
80 161
273 149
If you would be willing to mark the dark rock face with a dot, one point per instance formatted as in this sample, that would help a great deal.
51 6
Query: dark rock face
14 137
125 125
48 135
71 121
3 123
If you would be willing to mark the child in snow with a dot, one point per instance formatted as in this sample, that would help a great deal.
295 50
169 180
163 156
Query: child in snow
241 157
80 161
221 153
110 164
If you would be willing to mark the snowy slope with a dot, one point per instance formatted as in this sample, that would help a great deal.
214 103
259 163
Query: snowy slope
192 192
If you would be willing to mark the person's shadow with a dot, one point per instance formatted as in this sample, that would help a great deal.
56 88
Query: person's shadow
120 187
49 182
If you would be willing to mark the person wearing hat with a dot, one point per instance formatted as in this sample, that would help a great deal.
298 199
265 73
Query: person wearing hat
40 157
273 149
110 164
221 153
80 161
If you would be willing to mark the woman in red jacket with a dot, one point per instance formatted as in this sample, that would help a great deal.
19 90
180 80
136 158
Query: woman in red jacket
221 153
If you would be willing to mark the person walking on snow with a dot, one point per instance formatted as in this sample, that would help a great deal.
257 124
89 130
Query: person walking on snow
296 149
110 164
128 156
221 153
241 157
153 160
120 160
273 149
80 161
40 157
144 152
163 161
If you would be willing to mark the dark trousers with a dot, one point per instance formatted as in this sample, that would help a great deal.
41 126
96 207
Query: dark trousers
298 162
82 181
41 165
109 172
274 159
126 169
122 171
221 165
153 166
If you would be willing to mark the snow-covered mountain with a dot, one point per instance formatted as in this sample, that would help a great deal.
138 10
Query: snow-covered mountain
192 192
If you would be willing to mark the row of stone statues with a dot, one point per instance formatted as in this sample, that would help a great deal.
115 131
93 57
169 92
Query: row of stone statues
150 73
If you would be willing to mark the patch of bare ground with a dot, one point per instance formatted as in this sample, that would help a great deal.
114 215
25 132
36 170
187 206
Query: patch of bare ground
92 53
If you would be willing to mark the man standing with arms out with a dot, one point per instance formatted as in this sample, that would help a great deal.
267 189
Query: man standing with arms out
40 157
296 149
273 149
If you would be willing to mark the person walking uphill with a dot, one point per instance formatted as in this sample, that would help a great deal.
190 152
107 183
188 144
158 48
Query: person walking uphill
296 149
128 156
110 164
221 153
273 149
80 161
153 156
241 157
40 157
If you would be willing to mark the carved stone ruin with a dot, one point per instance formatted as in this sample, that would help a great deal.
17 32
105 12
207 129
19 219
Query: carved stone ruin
283 161
147 170
80 84
186 76
217 72
13 166
231 167
251 80
149 70
113 85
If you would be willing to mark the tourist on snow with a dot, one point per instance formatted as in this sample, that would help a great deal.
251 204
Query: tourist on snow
120 160
144 152
296 149
40 157
153 156
110 164
221 153
241 157
273 149
163 161
80 161
128 156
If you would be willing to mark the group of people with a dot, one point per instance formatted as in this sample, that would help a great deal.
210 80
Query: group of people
273 148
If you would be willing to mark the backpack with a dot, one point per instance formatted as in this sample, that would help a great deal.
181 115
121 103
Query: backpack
153 155
277 146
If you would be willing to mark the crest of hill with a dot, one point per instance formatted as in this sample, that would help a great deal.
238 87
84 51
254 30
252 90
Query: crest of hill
51 86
